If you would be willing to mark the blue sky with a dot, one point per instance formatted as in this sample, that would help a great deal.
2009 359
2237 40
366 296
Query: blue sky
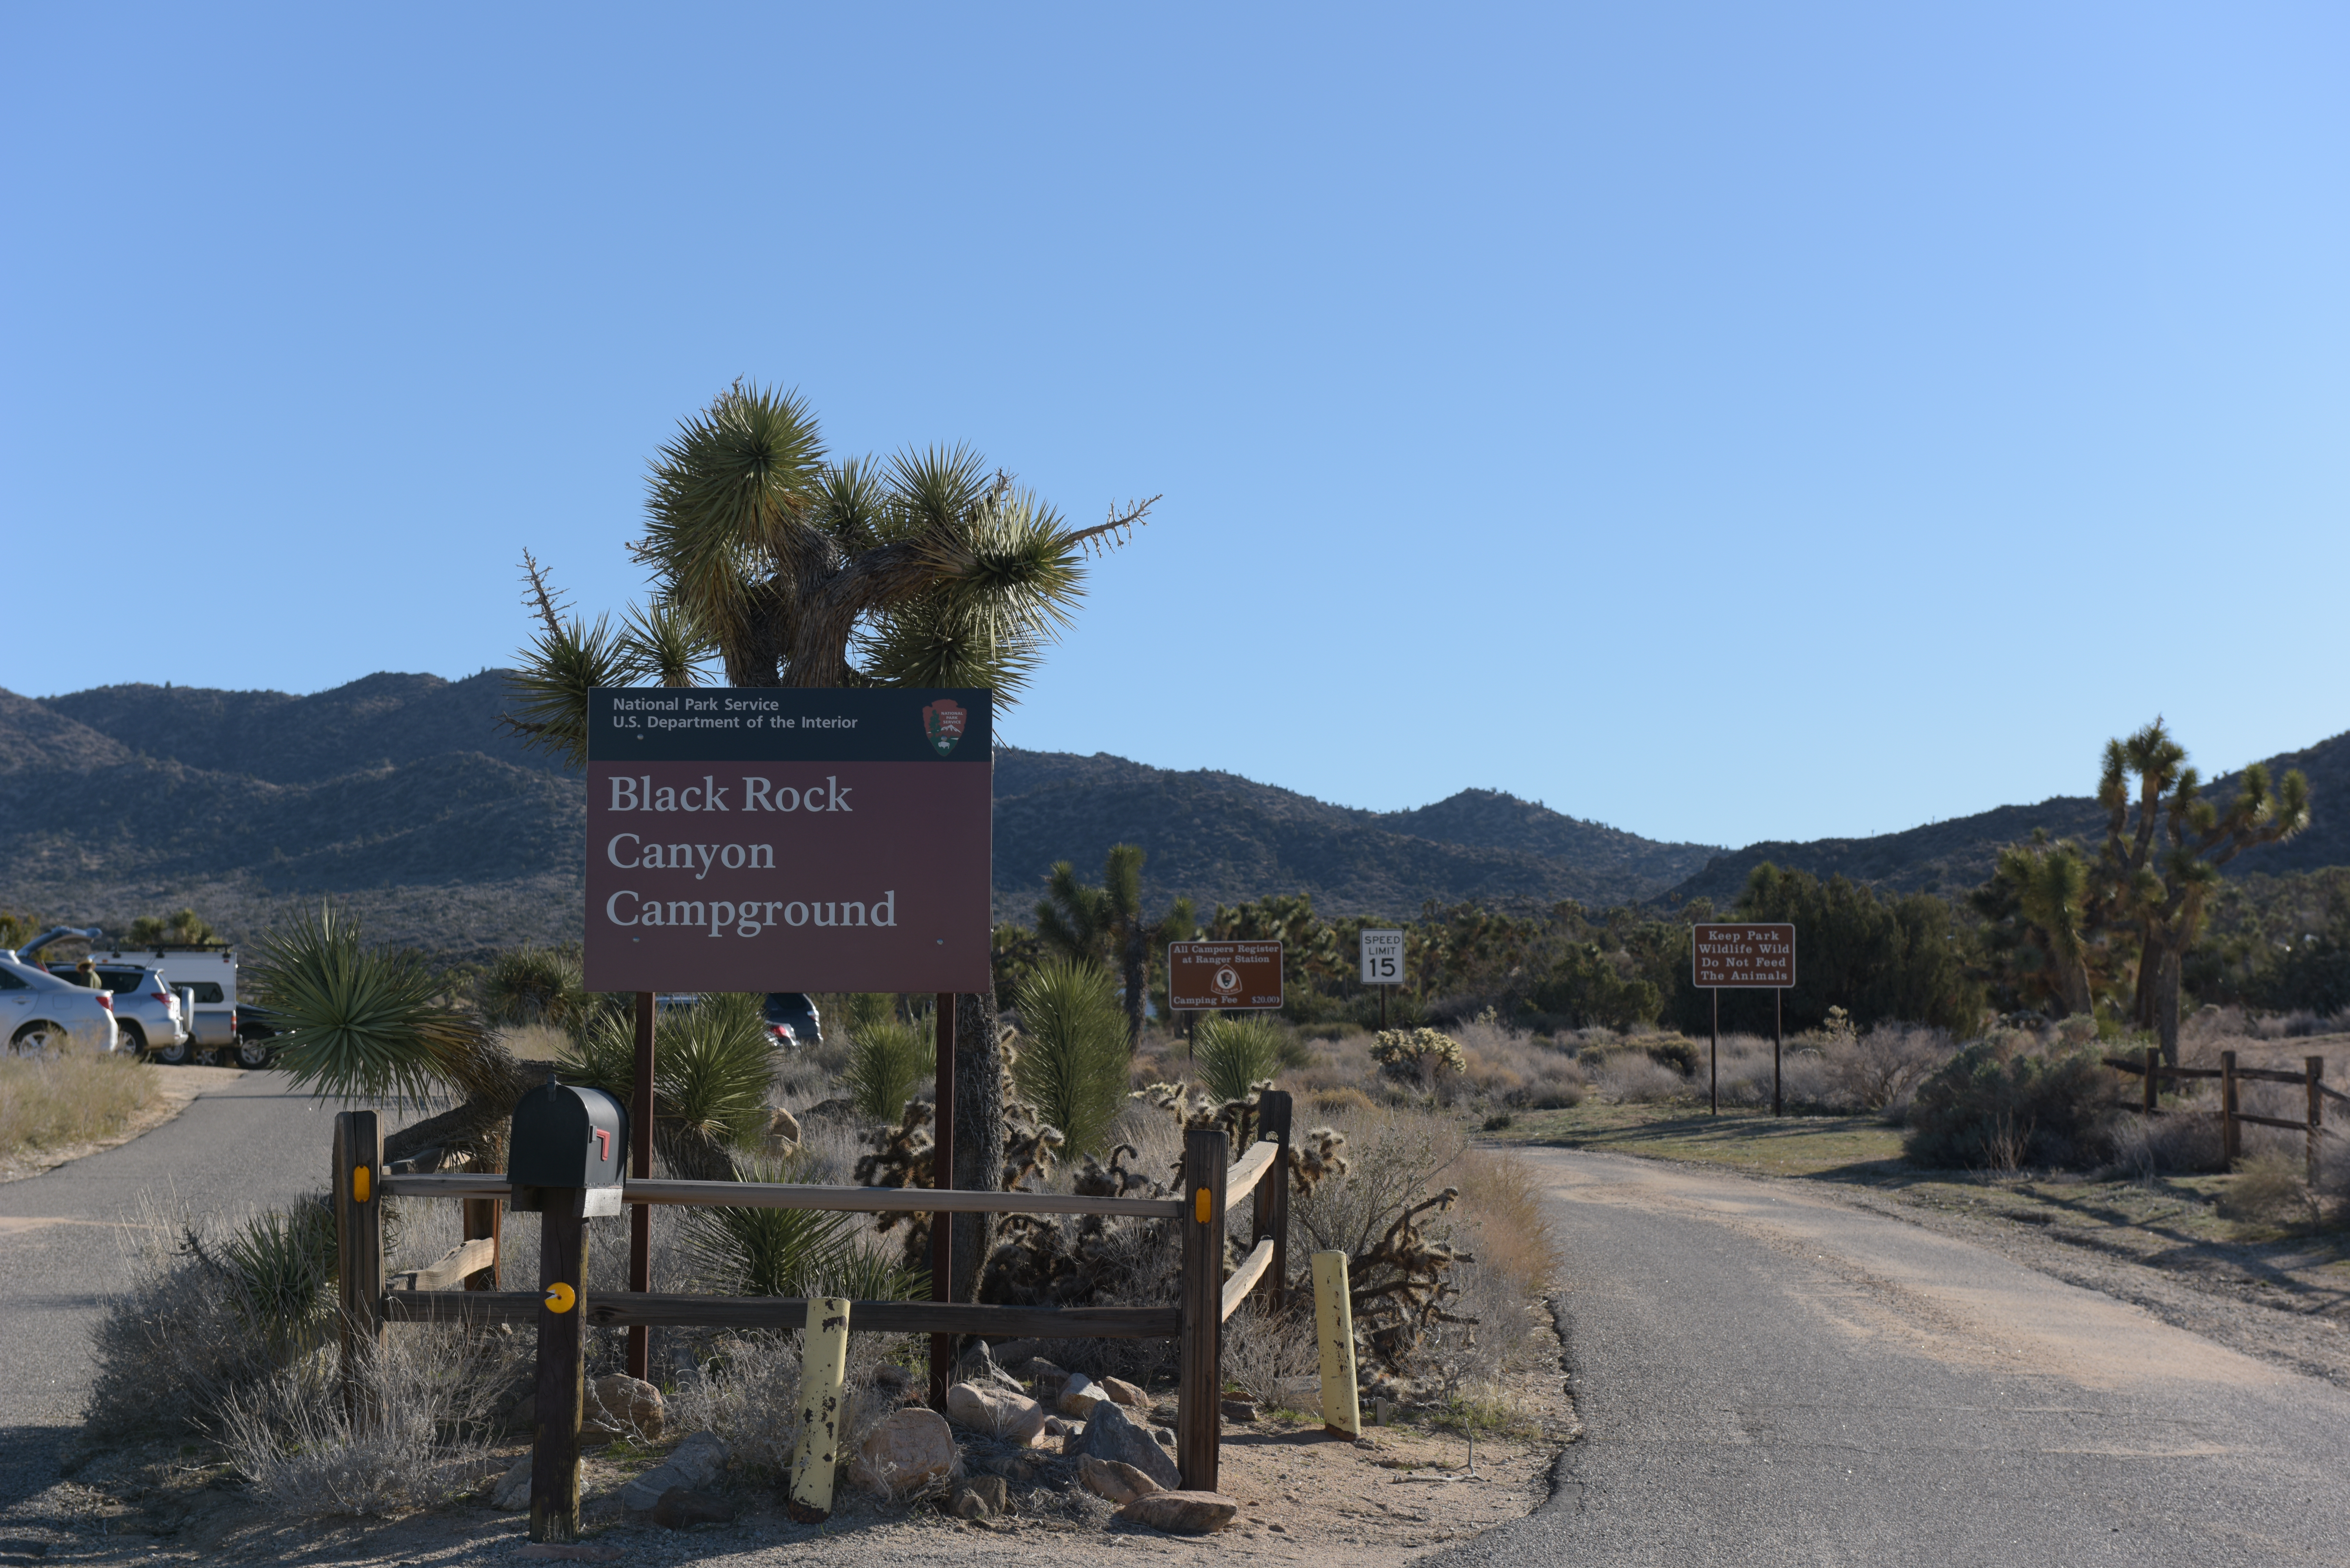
1723 421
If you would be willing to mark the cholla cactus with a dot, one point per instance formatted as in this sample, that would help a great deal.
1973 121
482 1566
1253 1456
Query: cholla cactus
1417 1053
1315 1156
1401 1285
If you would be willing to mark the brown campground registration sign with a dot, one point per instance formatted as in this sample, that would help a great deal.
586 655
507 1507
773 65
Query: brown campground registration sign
788 839
1202 977
1759 958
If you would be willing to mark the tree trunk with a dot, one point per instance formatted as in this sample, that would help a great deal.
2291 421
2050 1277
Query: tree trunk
2165 1003
1137 969
979 1131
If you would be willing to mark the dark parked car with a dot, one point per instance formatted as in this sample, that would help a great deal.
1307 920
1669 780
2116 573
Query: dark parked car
259 1034
792 1019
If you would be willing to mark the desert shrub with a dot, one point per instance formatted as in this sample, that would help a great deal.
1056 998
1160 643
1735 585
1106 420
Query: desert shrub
2268 1190
1265 1350
429 1399
71 1097
1630 1078
1073 1059
1879 1071
1587 987
215 1308
2007 1102
747 1392
532 985
1418 1056
1235 1054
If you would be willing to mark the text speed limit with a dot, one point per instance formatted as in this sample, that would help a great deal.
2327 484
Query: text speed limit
1382 958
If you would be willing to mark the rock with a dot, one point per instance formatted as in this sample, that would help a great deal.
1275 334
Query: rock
1056 1428
1014 1417
1078 1397
1165 1435
1125 1393
1165 1413
1240 1409
1049 1379
619 1406
1116 1482
694 1464
683 1508
982 1496
912 1446
978 1366
512 1494
1013 1352
782 1125
1182 1513
1108 1435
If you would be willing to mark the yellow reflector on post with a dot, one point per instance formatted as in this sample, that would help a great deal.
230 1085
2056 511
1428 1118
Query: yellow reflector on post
560 1297
1204 1204
361 1183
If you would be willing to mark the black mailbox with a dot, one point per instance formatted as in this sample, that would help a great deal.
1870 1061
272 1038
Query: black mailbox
565 1138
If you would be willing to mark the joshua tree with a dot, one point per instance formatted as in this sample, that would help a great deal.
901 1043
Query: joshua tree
1105 925
2158 872
2037 903
795 569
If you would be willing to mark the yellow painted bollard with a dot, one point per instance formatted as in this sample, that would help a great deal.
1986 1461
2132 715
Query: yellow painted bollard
824 1363
1333 1325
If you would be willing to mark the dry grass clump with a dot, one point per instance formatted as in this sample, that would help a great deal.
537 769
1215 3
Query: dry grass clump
1634 1077
748 1393
1265 1353
71 1097
2269 1190
419 1433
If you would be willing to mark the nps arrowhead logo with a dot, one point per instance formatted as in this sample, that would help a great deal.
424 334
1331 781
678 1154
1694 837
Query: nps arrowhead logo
942 724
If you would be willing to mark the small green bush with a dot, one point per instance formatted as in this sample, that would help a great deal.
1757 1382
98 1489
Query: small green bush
2004 1103
532 985
1237 1053
1072 1062
1417 1055
888 1061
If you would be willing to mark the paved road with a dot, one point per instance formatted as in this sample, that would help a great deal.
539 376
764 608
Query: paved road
251 1142
1766 1377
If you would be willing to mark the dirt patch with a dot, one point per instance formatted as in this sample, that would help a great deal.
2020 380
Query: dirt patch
178 1086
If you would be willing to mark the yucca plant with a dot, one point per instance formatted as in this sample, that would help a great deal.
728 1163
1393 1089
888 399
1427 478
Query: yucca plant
1073 1061
367 1023
712 1069
888 1061
1234 1055
749 1252
532 985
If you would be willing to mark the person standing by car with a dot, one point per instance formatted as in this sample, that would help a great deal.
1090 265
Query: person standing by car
86 973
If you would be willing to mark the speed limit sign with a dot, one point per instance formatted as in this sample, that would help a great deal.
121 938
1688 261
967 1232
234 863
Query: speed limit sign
1382 958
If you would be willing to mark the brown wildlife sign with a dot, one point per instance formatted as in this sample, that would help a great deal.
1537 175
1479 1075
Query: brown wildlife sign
1205 976
1743 956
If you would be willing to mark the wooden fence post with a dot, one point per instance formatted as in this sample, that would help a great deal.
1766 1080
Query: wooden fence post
1273 1111
2232 1137
2313 1074
823 1367
2152 1080
1200 1386
483 1221
359 1247
562 1366
1334 1326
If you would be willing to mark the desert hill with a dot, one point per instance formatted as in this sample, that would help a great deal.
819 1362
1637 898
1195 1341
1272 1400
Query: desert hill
400 795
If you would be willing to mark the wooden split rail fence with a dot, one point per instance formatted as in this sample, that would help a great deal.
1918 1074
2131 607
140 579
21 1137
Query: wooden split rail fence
463 1287
2152 1070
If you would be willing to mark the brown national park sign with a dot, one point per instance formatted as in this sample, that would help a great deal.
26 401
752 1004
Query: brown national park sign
1735 956
1202 977
788 839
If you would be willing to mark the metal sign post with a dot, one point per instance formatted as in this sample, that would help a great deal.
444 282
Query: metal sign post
1745 957
1383 965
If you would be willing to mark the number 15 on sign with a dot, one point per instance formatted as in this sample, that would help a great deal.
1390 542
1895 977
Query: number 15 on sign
1382 958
